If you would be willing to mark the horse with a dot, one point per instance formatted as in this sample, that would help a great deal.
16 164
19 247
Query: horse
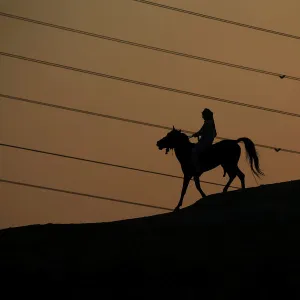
225 153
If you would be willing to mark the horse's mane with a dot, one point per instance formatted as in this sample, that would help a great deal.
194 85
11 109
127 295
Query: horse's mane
184 136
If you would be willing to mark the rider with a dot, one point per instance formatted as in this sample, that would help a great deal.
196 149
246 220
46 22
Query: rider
208 133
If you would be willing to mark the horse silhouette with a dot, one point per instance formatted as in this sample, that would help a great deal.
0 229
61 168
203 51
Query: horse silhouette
225 153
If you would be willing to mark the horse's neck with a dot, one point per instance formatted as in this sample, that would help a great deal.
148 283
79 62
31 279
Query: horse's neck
183 153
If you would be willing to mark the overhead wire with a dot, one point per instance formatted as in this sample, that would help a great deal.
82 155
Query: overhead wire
150 85
14 98
83 194
193 13
103 163
140 45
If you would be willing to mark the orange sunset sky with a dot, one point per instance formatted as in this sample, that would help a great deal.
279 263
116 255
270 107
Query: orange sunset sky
95 138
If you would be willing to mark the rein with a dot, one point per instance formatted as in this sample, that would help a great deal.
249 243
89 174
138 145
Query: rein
171 148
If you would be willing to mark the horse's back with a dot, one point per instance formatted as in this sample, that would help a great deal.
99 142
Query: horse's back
224 152
226 145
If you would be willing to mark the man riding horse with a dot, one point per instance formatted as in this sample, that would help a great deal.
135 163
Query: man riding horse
195 159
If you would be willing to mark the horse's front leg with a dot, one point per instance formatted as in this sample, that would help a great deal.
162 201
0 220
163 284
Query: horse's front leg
197 184
186 181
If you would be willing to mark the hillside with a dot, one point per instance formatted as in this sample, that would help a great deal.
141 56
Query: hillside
242 244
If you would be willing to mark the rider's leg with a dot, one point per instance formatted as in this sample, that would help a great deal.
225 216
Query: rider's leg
198 149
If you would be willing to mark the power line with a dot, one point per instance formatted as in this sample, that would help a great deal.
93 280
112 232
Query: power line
126 120
83 194
141 83
112 39
218 19
104 163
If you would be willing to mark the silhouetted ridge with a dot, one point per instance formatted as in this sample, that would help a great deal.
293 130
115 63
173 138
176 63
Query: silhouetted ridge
238 245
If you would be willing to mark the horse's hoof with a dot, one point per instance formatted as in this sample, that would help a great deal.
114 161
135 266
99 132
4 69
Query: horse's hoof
177 208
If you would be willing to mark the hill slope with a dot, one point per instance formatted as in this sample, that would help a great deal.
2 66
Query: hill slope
242 244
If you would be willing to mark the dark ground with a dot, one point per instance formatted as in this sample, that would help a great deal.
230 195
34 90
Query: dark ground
238 245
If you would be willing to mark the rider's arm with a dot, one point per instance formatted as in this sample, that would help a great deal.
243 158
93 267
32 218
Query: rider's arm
198 133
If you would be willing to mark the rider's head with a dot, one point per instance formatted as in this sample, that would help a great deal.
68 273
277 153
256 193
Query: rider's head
207 114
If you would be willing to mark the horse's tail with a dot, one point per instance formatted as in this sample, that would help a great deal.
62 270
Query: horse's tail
252 156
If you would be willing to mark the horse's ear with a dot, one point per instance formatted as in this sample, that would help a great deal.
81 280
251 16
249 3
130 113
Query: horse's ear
180 130
173 127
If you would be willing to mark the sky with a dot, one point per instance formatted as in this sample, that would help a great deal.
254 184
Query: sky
95 138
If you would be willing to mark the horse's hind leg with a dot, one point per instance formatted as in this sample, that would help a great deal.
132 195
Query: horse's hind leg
232 172
224 174
241 176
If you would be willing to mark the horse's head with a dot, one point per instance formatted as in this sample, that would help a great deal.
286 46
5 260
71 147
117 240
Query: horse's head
171 140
